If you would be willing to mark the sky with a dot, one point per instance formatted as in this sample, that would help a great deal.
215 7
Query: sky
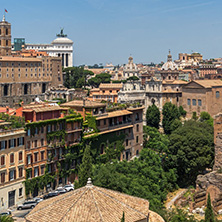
105 31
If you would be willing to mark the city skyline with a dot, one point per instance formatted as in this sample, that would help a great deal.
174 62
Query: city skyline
109 31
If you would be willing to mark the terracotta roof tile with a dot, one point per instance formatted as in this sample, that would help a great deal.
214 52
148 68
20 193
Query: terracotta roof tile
79 103
91 204
110 85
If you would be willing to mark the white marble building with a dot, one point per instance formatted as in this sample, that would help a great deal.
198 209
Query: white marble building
61 47
130 69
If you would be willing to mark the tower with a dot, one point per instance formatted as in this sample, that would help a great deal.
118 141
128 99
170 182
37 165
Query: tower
5 37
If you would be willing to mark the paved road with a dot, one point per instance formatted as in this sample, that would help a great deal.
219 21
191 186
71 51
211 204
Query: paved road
20 213
171 202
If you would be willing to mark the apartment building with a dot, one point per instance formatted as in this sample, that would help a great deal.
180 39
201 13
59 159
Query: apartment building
202 95
12 165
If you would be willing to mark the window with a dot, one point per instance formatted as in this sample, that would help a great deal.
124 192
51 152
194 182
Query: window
194 102
3 145
127 142
49 128
2 160
98 122
42 170
2 177
137 139
29 159
36 157
42 142
36 171
20 172
36 130
6 42
20 191
28 144
42 129
35 143
188 102
6 32
20 156
199 102
137 127
104 121
28 132
137 116
12 143
11 158
11 175
20 141
42 155
217 94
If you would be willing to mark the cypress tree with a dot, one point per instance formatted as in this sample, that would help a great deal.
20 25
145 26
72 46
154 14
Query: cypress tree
153 116
85 168
123 217
209 214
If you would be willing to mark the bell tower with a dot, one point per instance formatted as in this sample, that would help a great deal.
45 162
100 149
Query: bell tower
5 37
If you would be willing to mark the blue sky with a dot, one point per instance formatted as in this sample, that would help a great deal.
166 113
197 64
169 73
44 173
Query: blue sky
110 30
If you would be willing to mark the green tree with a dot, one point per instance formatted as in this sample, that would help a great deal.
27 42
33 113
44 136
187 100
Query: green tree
178 215
100 78
182 111
153 116
133 78
6 218
194 116
205 117
170 113
142 177
85 169
123 217
175 124
209 214
190 151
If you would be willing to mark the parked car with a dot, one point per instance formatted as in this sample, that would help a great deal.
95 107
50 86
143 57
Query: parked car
37 199
27 205
49 195
60 190
7 213
68 187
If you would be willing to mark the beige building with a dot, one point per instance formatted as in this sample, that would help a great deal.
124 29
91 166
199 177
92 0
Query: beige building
202 95
93 204
24 78
12 166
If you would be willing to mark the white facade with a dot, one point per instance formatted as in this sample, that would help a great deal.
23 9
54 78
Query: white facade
130 69
60 47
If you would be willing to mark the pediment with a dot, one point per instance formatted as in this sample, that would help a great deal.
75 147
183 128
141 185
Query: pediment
193 85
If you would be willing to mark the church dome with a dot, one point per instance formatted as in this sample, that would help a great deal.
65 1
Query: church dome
169 65
62 40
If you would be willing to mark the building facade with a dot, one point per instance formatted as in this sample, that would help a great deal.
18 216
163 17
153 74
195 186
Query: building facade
130 69
106 92
202 95
60 47
22 78
12 166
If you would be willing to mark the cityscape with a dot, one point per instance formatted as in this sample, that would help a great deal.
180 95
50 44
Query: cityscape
108 141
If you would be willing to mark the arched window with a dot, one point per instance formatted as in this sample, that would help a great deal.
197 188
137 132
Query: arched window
217 94
6 31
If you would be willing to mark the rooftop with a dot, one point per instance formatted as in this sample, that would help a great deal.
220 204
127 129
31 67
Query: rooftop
209 83
93 204
19 59
79 103
115 114
111 85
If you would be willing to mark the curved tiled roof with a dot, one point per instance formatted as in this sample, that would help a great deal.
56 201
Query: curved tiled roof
91 204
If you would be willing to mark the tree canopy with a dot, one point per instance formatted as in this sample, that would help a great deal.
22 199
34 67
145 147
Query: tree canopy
190 151
209 213
143 177
85 169
170 113
75 77
99 78
153 116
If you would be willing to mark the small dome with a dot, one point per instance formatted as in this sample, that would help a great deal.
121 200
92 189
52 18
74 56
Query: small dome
60 40
169 65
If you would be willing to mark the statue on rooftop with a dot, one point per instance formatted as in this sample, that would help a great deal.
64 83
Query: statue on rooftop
61 34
